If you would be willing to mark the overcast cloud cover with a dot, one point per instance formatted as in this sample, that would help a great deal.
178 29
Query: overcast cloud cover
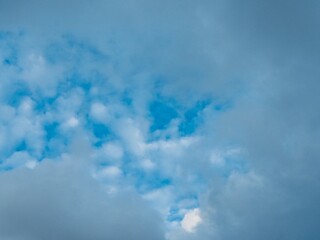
176 120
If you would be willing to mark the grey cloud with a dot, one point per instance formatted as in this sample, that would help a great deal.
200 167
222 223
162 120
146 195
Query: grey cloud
275 121
59 200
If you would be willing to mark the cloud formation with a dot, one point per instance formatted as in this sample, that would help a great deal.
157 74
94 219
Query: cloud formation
61 200
203 107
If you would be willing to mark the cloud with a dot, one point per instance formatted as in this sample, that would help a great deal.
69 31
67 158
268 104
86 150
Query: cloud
132 77
191 220
61 200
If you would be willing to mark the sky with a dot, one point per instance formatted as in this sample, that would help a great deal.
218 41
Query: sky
159 120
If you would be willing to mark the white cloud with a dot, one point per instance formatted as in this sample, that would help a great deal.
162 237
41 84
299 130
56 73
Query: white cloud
160 199
112 171
191 220
31 164
112 150
42 77
147 164
132 136
72 122
99 112
18 159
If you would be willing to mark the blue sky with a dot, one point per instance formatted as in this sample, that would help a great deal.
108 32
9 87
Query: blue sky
159 120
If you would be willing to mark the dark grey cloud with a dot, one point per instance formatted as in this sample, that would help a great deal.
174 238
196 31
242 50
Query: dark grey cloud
275 122
60 200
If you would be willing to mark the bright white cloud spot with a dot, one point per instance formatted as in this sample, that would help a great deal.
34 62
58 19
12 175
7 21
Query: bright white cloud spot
191 220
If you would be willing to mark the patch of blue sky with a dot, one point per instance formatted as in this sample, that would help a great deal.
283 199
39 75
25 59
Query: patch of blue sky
183 202
74 80
144 181
43 104
162 112
54 148
174 215
51 130
21 146
193 118
16 92
151 182
100 131
56 141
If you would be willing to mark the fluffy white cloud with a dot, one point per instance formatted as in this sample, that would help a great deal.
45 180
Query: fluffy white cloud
191 220
112 150
99 112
